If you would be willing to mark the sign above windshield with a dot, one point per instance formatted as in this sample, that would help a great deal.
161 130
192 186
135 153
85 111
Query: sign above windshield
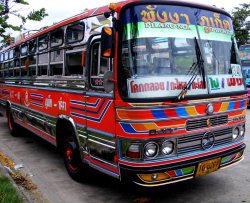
176 21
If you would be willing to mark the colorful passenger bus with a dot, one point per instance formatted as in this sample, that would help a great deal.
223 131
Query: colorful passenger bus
244 52
146 91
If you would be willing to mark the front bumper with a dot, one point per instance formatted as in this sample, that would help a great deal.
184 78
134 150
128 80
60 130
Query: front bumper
162 175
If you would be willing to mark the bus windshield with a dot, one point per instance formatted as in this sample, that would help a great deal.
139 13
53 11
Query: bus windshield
160 53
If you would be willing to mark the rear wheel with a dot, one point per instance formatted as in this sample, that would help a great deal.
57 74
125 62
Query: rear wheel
13 127
72 159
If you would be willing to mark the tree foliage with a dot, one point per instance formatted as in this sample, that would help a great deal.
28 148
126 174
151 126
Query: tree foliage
15 8
241 21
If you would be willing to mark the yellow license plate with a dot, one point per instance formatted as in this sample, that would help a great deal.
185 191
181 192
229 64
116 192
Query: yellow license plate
208 166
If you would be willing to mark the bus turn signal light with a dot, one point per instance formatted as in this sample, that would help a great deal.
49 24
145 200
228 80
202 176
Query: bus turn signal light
112 6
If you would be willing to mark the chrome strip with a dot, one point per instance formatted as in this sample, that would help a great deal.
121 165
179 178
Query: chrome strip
104 171
101 160
41 136
83 136
100 143
160 184
111 142
100 132
33 110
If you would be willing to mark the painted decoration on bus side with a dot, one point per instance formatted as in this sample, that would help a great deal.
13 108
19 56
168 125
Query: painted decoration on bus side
26 98
95 24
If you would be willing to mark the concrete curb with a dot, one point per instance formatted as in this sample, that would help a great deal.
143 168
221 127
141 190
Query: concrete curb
25 198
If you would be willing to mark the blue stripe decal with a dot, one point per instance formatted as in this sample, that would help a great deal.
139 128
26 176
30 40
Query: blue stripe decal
178 172
231 106
85 103
91 118
159 113
181 112
242 104
38 100
96 112
77 109
127 128
35 104
36 95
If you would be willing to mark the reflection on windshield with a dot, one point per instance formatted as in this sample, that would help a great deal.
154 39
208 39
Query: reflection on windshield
159 56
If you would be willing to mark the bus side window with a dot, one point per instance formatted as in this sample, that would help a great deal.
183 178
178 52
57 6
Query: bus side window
74 64
99 65
75 33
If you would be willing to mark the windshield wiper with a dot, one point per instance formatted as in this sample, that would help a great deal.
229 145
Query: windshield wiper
196 69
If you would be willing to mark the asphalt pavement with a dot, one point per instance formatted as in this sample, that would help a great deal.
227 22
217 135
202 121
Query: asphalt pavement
45 167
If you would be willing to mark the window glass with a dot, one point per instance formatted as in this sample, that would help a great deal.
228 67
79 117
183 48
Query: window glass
32 71
16 72
17 51
11 54
43 43
32 46
24 72
12 64
56 38
6 65
24 49
42 70
17 63
56 56
11 72
75 32
6 55
74 64
56 69
99 65
43 58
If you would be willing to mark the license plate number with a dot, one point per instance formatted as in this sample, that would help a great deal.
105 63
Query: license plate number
208 167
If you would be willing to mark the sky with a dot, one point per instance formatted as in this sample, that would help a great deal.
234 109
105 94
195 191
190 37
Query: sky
62 9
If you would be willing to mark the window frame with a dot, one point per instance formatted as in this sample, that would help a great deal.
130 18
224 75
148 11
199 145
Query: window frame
73 24
51 35
38 42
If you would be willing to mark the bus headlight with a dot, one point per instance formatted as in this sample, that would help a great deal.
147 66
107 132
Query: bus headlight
151 149
236 133
242 130
167 147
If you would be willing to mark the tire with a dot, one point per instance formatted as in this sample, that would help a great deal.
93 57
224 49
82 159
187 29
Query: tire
77 170
13 127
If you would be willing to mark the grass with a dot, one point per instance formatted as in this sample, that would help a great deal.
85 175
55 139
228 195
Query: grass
8 193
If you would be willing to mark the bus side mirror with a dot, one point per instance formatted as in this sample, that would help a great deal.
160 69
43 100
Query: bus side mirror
107 42
108 81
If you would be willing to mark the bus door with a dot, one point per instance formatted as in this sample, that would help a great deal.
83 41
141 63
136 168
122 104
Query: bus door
100 111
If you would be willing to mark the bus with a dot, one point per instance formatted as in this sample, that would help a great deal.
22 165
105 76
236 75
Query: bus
244 52
150 92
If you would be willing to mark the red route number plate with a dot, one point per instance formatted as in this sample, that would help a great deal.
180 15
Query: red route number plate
208 167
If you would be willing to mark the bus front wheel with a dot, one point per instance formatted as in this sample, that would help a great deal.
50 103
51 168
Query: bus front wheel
72 159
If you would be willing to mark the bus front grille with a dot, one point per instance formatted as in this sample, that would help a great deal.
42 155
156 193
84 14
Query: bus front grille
192 143
206 122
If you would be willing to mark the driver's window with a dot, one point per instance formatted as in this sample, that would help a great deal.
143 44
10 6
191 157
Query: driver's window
99 65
